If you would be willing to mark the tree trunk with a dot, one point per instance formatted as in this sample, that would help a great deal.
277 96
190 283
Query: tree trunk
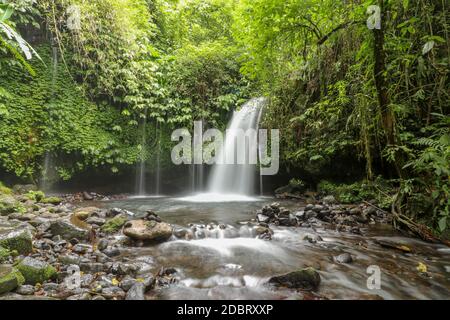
380 80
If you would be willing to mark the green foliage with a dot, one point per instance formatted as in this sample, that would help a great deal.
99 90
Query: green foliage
35 195
380 191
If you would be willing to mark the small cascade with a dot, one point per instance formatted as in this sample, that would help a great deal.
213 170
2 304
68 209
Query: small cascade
48 170
140 172
158 165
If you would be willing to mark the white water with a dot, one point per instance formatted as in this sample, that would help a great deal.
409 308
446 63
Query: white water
47 173
140 172
234 182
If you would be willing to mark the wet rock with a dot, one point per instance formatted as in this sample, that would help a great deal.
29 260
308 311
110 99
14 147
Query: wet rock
312 238
69 259
344 258
127 283
96 220
300 215
19 240
92 267
123 269
136 292
306 279
87 196
26 290
394 245
355 211
328 200
309 207
68 231
317 208
10 278
81 248
113 292
147 230
80 297
262 218
102 244
112 252
36 271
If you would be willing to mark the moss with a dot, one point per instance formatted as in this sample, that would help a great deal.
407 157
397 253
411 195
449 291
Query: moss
114 225
4 254
51 200
11 281
5 190
34 274
19 241
35 195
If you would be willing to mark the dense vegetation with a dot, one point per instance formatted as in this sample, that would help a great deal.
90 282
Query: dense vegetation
352 103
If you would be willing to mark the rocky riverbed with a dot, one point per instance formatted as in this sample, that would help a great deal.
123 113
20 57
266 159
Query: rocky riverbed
81 249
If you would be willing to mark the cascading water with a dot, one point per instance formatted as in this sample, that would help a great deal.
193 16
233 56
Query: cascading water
47 172
234 182
158 165
140 172
237 178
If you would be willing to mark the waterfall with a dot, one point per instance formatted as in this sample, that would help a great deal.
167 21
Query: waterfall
48 171
140 172
237 178
158 164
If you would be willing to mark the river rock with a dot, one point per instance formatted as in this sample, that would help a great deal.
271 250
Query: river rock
87 196
147 230
26 290
306 279
36 271
68 231
328 200
7 204
10 279
136 292
113 292
19 240
344 258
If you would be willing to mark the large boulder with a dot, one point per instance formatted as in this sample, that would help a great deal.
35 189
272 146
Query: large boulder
24 188
36 271
305 279
68 231
18 240
148 230
10 279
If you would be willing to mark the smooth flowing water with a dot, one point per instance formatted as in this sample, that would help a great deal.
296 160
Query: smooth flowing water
225 260
140 172
237 178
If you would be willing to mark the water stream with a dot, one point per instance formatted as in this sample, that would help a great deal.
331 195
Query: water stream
224 259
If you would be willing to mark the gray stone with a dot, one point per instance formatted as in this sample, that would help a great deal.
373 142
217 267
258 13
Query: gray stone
305 279
147 230
26 290
68 231
344 258
136 292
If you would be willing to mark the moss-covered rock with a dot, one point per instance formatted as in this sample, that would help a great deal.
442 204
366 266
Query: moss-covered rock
35 271
8 204
4 254
305 279
51 200
19 240
10 279
5 190
68 231
36 195
114 225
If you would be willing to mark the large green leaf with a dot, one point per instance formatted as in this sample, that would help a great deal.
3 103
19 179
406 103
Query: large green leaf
5 12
